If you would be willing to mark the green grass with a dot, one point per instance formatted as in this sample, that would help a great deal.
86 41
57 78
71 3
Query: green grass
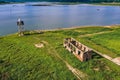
21 60
108 4
109 41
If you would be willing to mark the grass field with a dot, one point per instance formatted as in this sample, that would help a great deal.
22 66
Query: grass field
21 60
111 41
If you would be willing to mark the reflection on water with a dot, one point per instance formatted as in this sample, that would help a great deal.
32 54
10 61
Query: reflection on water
57 16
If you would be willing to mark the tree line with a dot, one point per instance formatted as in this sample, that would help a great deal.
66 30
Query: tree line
96 1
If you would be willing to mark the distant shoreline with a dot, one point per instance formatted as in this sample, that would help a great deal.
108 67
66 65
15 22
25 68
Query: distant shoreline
66 3
76 27
69 28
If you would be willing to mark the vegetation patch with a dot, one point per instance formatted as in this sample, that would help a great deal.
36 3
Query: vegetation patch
108 3
110 41
20 59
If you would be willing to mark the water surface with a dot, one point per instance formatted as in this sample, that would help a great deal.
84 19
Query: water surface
56 16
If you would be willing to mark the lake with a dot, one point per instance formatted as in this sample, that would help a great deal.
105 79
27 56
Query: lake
56 16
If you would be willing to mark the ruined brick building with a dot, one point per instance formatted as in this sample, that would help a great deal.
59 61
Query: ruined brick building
82 52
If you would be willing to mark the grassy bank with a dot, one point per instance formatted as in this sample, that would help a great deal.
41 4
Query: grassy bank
20 59
108 4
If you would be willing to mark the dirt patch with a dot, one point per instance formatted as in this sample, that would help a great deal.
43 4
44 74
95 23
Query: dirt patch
96 69
39 45
108 26
107 68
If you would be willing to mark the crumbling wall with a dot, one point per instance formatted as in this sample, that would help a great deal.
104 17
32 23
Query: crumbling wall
78 49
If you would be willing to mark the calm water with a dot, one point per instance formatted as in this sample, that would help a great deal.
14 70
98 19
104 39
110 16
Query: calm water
57 16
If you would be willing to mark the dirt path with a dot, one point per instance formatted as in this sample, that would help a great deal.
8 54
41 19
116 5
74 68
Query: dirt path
79 74
87 35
